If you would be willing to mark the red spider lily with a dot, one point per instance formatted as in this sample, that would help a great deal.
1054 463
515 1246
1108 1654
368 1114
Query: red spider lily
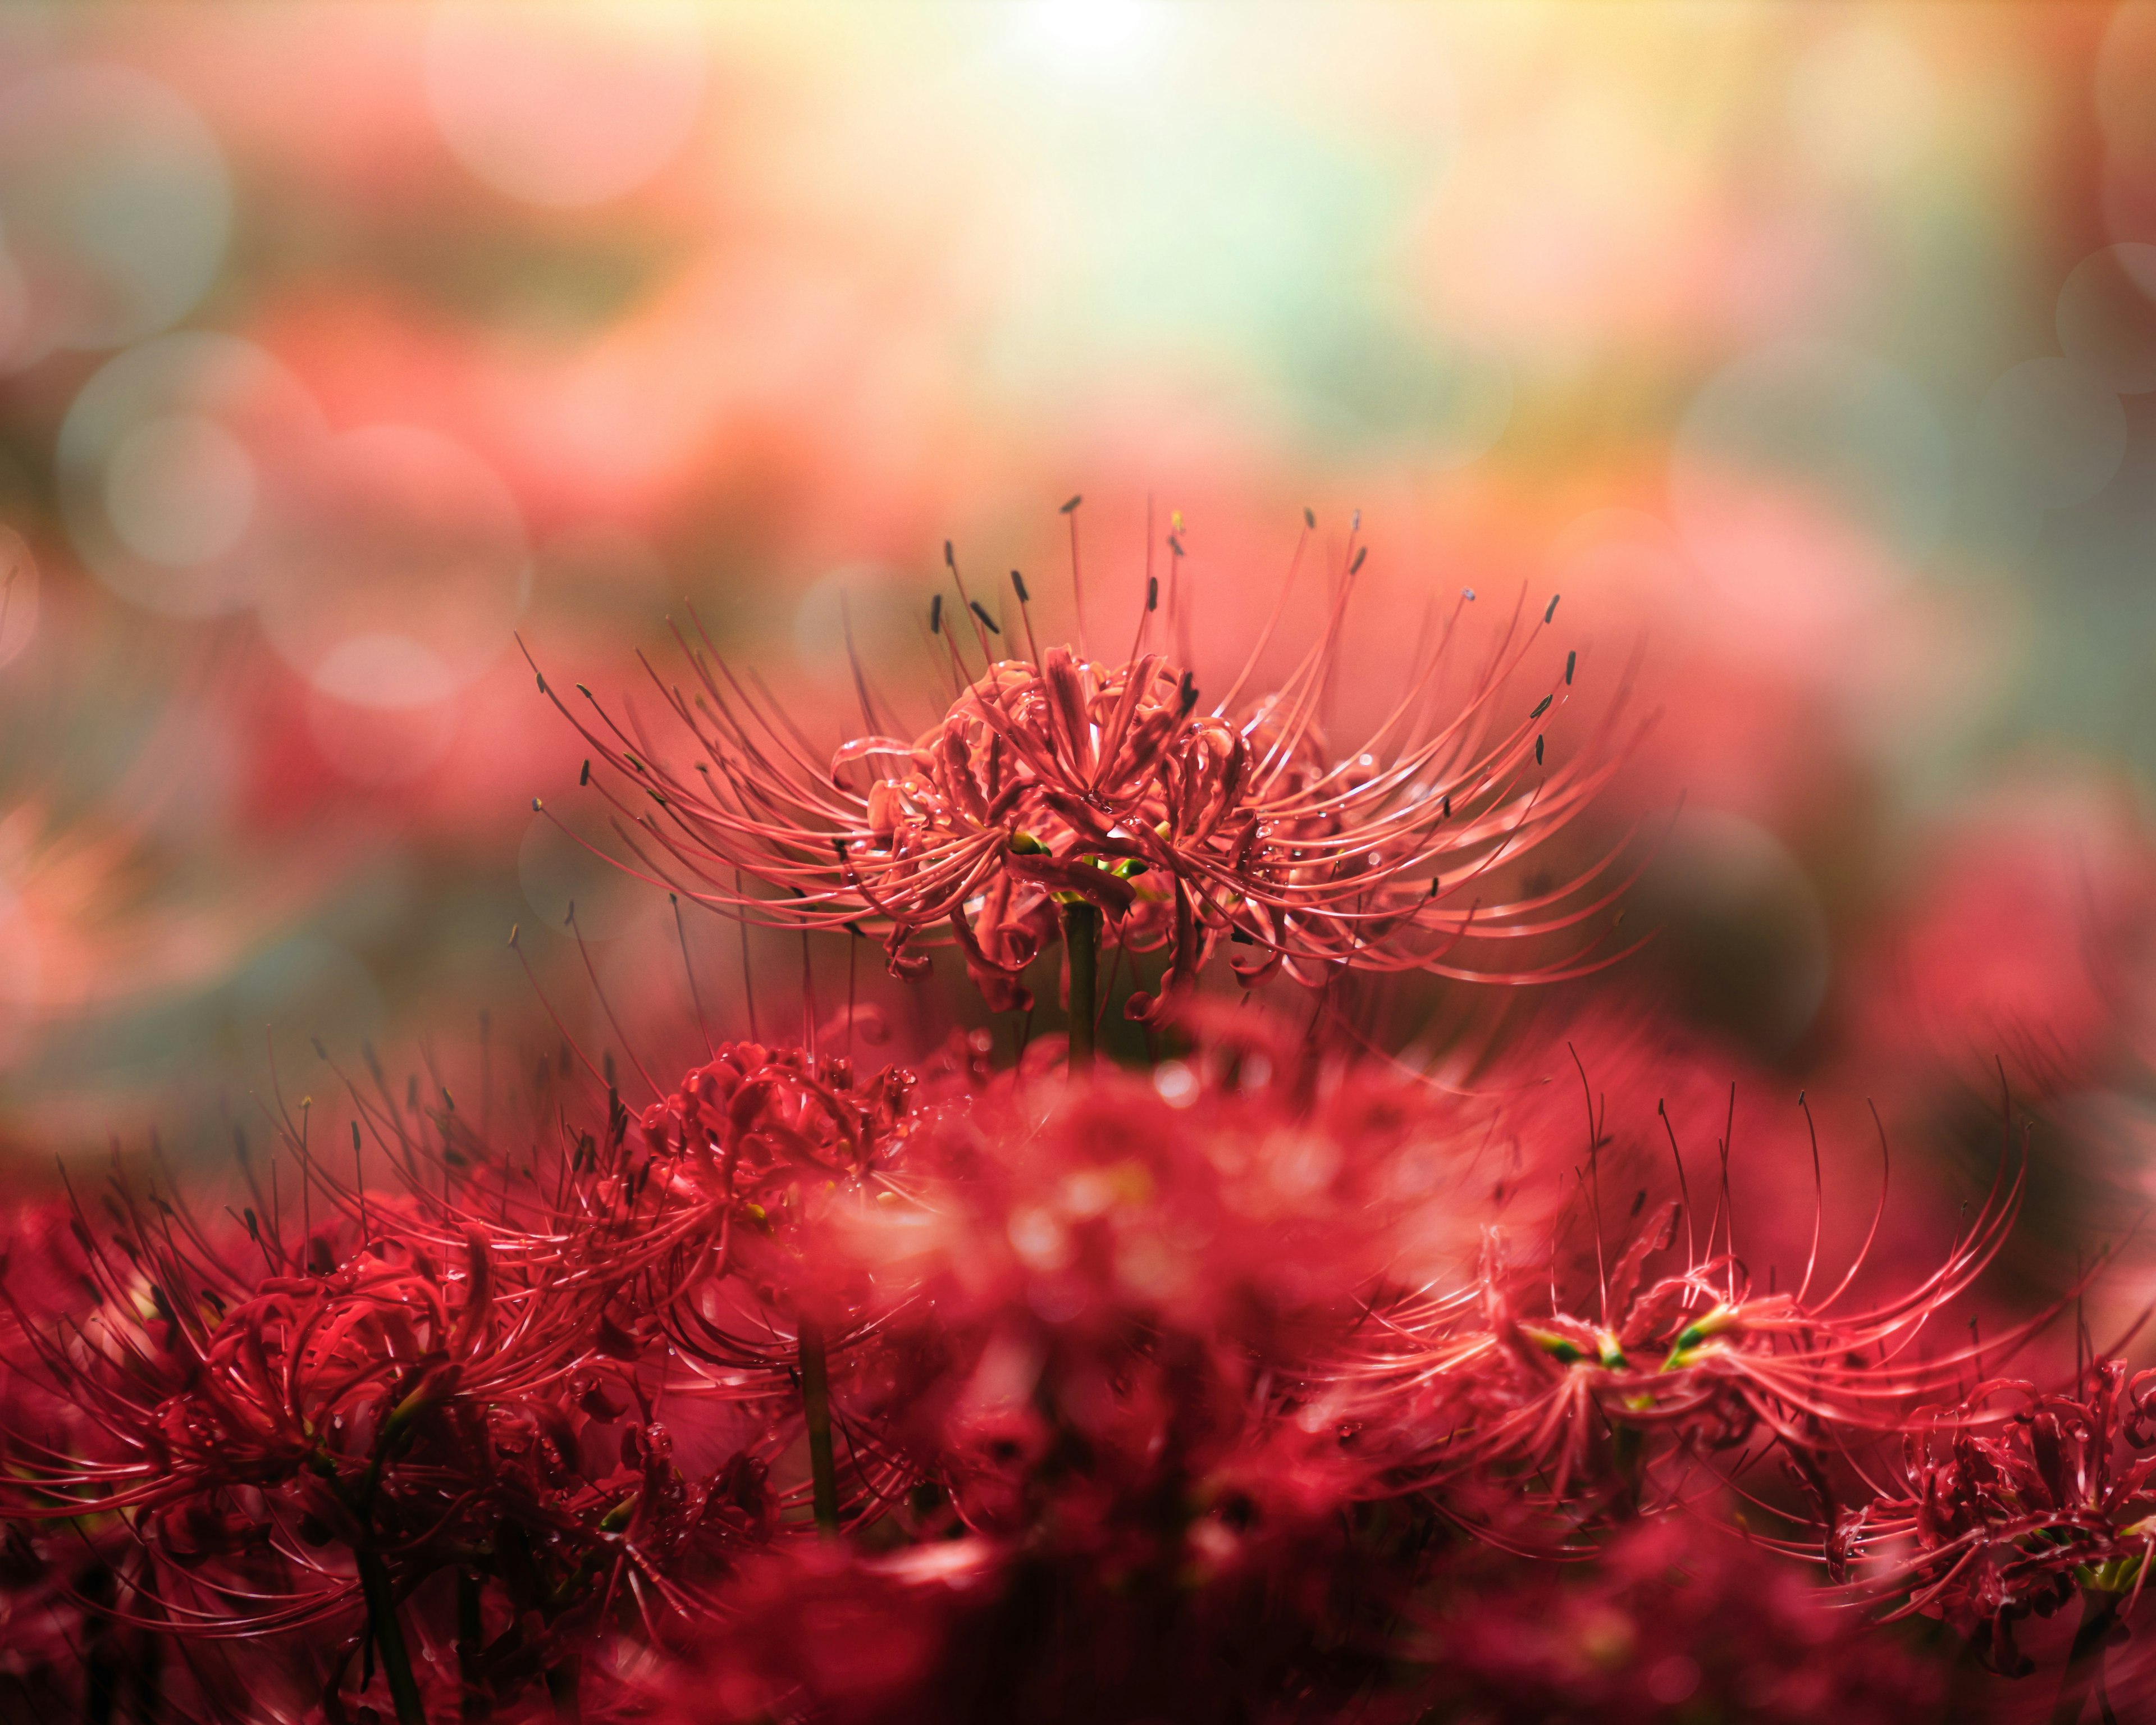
1613 1400
1057 783
926 1225
751 1142
711 1226
1122 1389
1119 1290
2012 1503
1081 1383
63 1655
290 1448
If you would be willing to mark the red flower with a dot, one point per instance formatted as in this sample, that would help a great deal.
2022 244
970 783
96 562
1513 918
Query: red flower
1608 1395
2013 1503
1056 780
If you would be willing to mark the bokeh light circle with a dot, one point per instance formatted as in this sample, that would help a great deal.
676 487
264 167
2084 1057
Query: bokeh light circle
379 746
116 204
2106 317
169 460
403 568
180 489
566 104
1811 463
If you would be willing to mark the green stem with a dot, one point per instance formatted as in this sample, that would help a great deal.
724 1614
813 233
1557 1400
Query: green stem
1082 945
816 1404
389 1639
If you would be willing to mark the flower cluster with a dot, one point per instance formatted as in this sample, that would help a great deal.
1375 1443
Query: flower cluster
2014 1502
1057 783
798 1395
1272 1381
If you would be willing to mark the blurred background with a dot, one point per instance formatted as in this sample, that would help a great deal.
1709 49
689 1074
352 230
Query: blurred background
1809 351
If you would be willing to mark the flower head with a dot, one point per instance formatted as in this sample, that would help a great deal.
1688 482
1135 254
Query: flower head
1058 779
2014 1500
1604 1392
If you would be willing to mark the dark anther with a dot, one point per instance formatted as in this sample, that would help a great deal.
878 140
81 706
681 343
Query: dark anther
935 615
1018 585
981 611
585 777
1070 506
1571 659
1186 697
1538 752
1310 518
1153 592
1358 563
1552 612
1541 707
950 562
